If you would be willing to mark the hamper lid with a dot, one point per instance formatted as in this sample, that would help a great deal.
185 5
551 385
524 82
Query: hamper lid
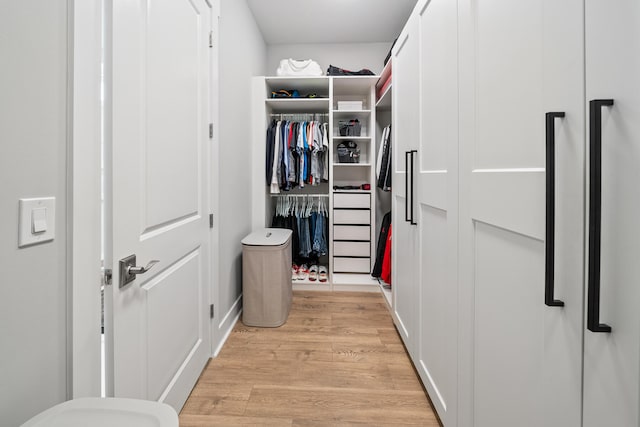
267 237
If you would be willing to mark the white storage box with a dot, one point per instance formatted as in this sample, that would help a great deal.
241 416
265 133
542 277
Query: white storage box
350 105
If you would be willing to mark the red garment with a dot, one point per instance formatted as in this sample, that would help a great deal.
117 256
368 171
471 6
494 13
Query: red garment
386 260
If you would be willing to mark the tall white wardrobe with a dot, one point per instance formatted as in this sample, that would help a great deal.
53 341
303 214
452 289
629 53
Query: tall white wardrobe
516 132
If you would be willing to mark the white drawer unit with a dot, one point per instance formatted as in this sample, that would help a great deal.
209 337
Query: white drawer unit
357 200
351 232
352 216
361 249
351 265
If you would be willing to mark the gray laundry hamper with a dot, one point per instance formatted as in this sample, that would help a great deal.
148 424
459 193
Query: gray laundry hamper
266 277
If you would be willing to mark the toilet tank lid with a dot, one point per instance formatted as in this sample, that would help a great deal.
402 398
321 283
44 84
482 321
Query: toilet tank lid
267 237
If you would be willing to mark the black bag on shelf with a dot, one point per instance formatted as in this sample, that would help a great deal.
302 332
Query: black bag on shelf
350 128
348 152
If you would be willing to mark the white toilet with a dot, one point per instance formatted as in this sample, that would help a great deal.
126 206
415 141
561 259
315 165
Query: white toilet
106 412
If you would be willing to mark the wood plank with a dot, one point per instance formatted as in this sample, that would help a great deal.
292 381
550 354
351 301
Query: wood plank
340 405
338 361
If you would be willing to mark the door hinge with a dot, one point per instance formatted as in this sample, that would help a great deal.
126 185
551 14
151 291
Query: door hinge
210 38
211 311
210 220
107 276
210 130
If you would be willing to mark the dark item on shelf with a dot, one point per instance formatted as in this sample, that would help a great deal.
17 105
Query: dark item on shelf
335 71
390 50
350 128
352 187
348 152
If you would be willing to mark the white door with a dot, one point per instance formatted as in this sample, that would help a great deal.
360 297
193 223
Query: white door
437 205
521 60
160 116
405 128
611 361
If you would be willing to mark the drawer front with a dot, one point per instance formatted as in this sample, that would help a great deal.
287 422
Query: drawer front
351 232
347 216
351 249
351 265
342 200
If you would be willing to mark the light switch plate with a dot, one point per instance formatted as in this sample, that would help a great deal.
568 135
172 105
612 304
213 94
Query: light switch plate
31 209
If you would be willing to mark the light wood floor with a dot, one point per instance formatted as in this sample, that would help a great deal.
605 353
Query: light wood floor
338 361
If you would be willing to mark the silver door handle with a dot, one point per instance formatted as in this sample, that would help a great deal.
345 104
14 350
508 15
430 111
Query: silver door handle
129 270
141 270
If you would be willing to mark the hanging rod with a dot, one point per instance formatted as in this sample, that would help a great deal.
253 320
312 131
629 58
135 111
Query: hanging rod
300 116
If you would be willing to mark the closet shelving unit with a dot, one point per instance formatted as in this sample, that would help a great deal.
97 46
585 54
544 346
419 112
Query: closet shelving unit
353 215
265 109
383 91
351 244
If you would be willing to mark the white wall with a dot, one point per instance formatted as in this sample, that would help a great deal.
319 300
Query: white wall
33 133
351 56
242 55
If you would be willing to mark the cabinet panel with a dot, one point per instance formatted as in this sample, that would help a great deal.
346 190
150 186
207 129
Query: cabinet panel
348 216
341 200
611 368
352 249
351 265
507 85
405 128
436 195
351 232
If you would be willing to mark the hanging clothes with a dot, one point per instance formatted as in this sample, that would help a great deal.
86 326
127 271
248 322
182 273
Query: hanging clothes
382 245
386 261
296 154
383 163
307 217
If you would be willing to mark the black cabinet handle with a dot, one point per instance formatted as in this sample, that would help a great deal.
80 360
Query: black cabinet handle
406 186
413 222
595 198
549 248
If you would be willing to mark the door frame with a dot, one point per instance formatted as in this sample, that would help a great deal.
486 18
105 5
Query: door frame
86 29
84 197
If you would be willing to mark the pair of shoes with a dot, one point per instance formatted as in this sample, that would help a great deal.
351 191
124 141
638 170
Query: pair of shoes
294 272
322 273
313 273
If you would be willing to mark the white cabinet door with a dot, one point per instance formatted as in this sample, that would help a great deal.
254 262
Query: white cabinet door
405 127
437 206
611 360
520 357
160 322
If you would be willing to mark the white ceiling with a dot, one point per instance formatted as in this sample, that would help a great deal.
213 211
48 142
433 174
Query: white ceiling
330 21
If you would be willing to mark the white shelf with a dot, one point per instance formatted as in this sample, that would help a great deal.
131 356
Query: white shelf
304 85
298 105
354 279
352 138
351 164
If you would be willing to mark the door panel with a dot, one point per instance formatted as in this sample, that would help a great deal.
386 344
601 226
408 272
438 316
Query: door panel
437 205
611 368
405 129
509 272
526 356
160 83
